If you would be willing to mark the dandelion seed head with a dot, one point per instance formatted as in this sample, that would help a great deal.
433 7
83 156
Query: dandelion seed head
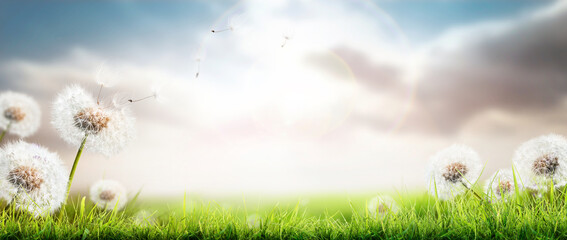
500 185
27 178
382 205
92 120
108 194
452 169
14 114
21 112
32 178
543 160
454 172
76 113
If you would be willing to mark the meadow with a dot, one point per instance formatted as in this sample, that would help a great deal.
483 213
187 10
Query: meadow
336 216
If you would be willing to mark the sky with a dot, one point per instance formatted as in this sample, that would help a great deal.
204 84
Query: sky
295 96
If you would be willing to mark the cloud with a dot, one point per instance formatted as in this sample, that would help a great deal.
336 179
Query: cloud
515 65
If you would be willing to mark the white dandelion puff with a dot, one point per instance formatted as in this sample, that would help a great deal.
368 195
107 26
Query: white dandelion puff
76 115
501 185
253 220
108 194
145 218
32 178
21 114
382 205
453 170
542 161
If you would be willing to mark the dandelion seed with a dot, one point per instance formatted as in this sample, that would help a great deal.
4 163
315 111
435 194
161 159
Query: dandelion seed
21 114
500 185
542 161
108 194
83 123
155 94
32 178
452 171
382 205
233 23
200 56
288 35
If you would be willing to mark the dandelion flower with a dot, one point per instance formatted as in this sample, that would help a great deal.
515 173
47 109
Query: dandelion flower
382 205
20 114
82 121
253 220
145 218
452 171
543 160
501 184
76 115
108 194
32 178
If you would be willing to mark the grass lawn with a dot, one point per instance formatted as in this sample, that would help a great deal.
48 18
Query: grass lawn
316 217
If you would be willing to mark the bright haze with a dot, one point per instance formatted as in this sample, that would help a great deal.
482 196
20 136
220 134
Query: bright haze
294 96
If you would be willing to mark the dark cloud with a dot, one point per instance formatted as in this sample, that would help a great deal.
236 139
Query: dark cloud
519 68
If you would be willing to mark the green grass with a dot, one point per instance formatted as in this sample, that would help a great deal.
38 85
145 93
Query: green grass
322 217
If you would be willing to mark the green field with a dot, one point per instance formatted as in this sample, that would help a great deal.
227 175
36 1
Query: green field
314 217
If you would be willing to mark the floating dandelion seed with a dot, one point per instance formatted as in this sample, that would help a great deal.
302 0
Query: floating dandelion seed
21 114
452 171
155 94
199 57
32 178
233 23
500 185
288 35
82 122
542 161
382 205
108 194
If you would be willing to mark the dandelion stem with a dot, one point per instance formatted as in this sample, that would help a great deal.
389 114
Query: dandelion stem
75 166
473 191
5 131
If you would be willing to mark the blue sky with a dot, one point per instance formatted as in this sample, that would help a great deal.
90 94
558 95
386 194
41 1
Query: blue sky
38 29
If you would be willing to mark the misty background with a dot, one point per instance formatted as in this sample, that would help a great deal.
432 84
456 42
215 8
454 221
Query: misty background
357 99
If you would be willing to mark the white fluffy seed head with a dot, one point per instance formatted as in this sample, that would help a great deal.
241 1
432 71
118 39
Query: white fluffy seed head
108 194
32 178
543 160
76 113
500 186
452 169
21 111
382 205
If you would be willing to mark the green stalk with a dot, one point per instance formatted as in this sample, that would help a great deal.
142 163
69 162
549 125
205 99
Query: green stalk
5 130
75 166
473 191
